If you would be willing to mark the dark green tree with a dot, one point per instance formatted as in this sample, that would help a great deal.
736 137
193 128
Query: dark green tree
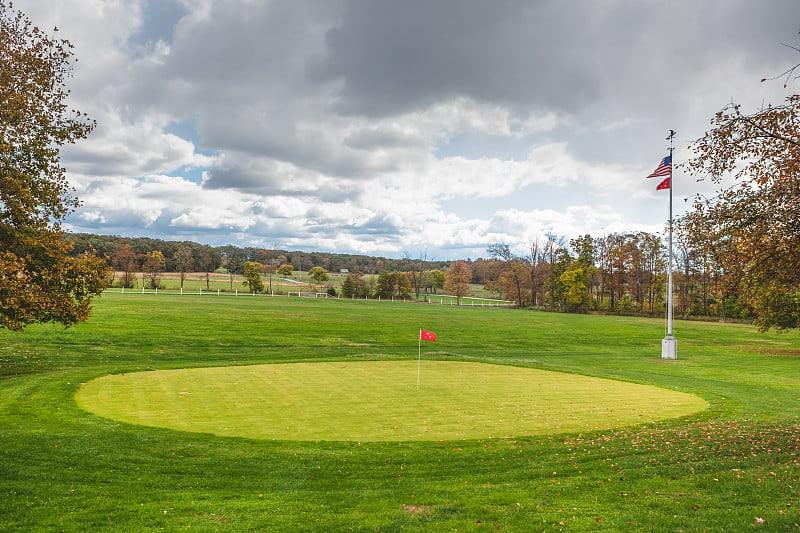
354 286
393 284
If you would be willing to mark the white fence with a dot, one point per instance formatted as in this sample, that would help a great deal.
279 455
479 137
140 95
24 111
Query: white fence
438 299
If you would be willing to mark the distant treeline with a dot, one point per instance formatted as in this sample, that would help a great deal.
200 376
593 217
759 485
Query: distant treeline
617 273
232 258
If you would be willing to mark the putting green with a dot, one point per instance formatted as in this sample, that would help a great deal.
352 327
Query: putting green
378 401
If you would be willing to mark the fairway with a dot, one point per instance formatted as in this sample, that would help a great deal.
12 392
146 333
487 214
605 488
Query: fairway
378 401
290 414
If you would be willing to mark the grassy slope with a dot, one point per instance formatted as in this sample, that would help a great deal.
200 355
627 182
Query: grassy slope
63 469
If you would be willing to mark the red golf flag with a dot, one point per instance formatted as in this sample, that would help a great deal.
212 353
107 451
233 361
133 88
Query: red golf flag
426 335
666 184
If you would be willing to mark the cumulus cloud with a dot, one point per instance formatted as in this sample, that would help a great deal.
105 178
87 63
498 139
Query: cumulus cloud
378 126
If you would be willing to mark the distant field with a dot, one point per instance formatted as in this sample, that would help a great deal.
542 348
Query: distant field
734 466
196 283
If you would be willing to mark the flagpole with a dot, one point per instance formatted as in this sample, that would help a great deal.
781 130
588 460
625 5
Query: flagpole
419 355
669 345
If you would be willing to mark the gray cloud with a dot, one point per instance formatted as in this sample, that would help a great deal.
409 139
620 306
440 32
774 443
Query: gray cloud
383 138
396 56
158 24
377 121
553 54
380 224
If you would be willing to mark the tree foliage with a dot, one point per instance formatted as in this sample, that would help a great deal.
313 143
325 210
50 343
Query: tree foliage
457 279
576 280
393 284
284 270
515 277
184 261
154 265
353 286
39 280
751 229
319 274
252 276
127 260
433 280
414 271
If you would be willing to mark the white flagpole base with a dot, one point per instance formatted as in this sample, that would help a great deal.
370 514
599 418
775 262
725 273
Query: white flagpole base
669 347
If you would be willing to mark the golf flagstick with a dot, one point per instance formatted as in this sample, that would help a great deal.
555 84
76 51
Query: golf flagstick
423 336
419 355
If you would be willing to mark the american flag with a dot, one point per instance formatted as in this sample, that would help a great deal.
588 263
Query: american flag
664 169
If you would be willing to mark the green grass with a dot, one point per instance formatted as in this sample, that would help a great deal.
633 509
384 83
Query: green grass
63 469
378 401
195 282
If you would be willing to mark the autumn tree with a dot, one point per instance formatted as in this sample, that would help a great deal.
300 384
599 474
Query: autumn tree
154 264
514 275
319 274
392 284
285 270
209 260
457 279
269 267
560 264
576 278
575 281
514 282
39 281
402 286
415 272
127 261
751 229
535 263
252 276
354 286
184 261
433 280
556 257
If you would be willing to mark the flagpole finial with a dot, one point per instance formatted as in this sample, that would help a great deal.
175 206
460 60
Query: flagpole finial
671 134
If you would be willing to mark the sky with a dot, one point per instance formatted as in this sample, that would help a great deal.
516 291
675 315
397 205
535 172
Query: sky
418 128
